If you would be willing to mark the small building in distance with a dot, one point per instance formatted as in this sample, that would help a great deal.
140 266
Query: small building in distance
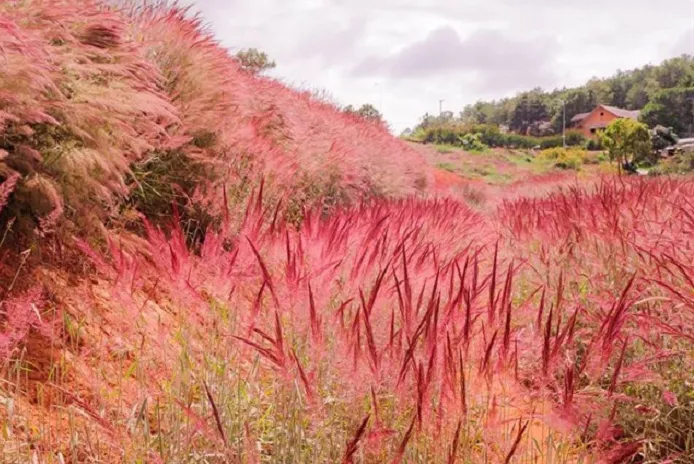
590 123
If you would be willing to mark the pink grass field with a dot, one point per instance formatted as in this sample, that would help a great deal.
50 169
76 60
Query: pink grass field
553 325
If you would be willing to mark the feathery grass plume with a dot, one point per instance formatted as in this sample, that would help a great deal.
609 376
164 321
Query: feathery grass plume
85 105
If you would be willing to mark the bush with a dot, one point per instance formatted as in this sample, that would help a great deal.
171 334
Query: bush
473 142
575 138
565 158
594 145
680 163
491 136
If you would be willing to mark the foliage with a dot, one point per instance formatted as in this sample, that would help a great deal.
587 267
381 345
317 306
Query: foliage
594 144
681 162
490 136
672 108
366 111
254 60
473 143
665 413
627 141
529 109
563 158
78 105
660 89
574 138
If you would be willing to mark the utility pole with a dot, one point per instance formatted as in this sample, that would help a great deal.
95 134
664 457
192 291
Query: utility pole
441 107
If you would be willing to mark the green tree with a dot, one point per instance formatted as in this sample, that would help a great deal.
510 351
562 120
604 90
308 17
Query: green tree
366 111
479 113
627 141
530 108
671 108
254 60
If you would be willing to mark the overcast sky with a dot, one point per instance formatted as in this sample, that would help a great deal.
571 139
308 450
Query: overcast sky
405 55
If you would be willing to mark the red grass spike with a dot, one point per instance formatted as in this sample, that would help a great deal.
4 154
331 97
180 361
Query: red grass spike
463 392
507 331
618 368
371 343
315 320
546 343
403 444
279 339
487 354
266 274
514 448
454 447
352 444
215 411
375 404
302 375
491 305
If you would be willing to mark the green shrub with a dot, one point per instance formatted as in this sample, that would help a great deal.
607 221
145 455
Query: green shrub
473 142
664 414
489 135
446 167
593 145
445 149
563 158
680 163
575 138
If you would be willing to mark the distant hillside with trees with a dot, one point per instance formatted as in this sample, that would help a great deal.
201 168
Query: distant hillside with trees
664 93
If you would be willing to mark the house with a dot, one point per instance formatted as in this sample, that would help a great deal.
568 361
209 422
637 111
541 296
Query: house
589 123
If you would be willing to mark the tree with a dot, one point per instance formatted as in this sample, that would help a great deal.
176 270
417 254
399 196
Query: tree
254 60
671 108
479 113
627 141
366 111
632 90
530 109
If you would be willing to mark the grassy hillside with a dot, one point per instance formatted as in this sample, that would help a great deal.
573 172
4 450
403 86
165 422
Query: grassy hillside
103 111
202 265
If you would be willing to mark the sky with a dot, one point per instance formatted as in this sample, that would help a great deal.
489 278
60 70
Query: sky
403 56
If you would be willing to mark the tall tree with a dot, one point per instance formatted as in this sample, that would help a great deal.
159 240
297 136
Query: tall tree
672 108
529 110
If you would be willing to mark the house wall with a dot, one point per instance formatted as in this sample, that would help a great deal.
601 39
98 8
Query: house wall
598 116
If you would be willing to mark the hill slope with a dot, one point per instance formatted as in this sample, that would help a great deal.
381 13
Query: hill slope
201 265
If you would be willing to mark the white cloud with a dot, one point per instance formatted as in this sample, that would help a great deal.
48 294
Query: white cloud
408 54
